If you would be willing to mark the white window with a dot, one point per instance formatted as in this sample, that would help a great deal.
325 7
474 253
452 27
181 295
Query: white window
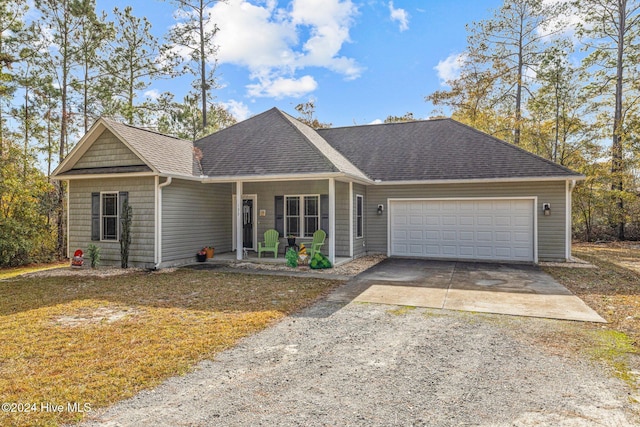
302 215
359 215
109 216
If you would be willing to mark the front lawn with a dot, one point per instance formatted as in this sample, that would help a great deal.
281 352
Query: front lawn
73 343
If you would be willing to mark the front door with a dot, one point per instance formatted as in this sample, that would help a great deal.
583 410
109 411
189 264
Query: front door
247 223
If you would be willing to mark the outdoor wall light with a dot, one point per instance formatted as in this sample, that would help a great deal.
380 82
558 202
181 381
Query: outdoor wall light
546 209
380 209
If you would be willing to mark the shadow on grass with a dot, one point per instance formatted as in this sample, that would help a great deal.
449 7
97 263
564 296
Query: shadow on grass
187 289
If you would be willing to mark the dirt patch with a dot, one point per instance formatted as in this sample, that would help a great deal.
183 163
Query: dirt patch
86 316
88 272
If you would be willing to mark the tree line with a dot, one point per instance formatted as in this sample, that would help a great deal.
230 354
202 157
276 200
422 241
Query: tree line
63 64
560 79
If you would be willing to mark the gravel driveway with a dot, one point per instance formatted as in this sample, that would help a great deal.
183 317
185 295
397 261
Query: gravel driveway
370 364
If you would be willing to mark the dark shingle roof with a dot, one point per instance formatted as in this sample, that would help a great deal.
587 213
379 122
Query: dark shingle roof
440 149
167 154
271 143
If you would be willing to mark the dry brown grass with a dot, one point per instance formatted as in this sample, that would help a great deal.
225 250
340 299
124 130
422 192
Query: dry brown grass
612 289
91 340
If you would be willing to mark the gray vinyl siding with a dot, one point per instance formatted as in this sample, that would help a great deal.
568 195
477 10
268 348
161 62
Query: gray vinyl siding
551 229
107 151
195 215
359 243
141 199
266 192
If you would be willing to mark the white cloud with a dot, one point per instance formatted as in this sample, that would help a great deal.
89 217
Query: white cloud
399 15
449 68
281 87
376 122
275 43
153 94
237 109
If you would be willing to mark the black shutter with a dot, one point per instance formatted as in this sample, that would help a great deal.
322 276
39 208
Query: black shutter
123 196
95 216
279 214
324 213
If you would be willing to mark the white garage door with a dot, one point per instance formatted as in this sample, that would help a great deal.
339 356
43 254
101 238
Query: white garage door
497 230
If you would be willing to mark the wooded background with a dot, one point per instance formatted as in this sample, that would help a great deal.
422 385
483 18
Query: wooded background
557 78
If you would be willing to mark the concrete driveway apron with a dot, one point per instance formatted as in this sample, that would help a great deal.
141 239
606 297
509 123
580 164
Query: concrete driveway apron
521 290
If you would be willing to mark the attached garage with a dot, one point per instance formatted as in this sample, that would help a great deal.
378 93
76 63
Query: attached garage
500 229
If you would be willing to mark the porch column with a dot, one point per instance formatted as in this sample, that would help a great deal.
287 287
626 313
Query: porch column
332 220
350 219
239 242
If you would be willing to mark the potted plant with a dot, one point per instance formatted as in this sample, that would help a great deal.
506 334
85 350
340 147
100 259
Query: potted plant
202 255
210 250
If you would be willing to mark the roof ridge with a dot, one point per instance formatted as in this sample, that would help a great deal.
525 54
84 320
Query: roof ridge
385 124
289 119
341 163
508 144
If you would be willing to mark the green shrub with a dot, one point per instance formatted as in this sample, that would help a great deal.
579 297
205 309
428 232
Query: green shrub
292 258
93 252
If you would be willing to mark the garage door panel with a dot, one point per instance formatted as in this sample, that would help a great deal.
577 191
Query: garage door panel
466 220
450 250
502 221
484 236
416 250
416 235
449 235
416 220
484 220
466 251
467 235
432 235
432 220
500 230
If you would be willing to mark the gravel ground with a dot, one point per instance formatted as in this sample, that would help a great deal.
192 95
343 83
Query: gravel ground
366 364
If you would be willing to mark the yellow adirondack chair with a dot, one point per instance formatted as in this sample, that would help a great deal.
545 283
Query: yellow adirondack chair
270 244
314 246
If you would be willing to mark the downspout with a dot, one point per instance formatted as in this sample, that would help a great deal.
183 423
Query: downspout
159 221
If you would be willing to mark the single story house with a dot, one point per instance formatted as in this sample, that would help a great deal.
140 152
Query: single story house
433 189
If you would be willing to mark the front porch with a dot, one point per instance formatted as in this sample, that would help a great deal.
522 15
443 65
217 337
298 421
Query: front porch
252 257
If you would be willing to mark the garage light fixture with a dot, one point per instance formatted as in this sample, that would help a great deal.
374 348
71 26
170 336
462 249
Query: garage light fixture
380 209
546 209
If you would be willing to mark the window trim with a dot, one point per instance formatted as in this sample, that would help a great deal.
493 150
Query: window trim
117 216
301 214
359 216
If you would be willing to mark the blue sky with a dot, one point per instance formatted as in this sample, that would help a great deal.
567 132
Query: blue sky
359 60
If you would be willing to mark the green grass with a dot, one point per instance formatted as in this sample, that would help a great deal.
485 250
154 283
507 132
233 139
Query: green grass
89 340
399 311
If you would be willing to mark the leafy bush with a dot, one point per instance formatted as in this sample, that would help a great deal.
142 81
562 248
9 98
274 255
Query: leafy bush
292 258
319 261
93 252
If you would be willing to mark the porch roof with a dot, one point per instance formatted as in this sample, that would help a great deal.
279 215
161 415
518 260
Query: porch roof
272 144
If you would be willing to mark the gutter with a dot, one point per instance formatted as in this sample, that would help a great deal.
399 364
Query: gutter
158 236
480 180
